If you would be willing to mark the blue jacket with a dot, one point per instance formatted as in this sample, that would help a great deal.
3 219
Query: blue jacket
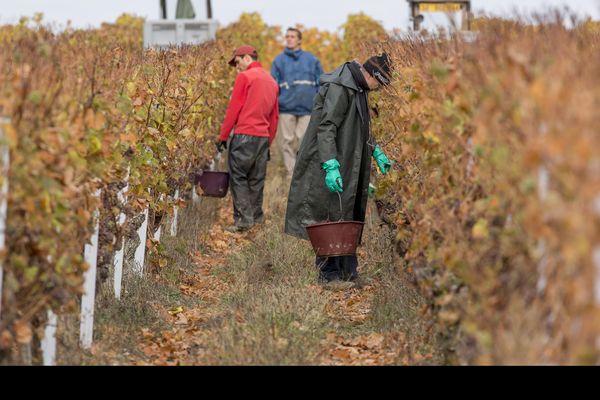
297 74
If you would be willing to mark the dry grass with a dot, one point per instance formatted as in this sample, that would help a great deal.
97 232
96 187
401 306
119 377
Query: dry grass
275 314
144 300
272 314
263 306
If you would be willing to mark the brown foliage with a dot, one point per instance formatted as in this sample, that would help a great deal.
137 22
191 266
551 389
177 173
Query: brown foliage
495 194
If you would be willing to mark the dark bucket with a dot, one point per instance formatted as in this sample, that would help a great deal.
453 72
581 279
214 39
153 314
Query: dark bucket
333 239
213 184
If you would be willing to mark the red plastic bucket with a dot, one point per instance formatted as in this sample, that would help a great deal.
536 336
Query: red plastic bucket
213 183
333 239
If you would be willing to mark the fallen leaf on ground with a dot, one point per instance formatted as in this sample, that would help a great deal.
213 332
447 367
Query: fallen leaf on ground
23 331
176 310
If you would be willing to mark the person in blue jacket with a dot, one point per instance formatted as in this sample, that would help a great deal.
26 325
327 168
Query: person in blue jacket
297 73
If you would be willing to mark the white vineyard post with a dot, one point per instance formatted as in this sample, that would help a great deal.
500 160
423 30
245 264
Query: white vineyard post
156 235
140 251
49 340
86 332
195 196
175 213
471 159
5 155
543 185
120 254
48 343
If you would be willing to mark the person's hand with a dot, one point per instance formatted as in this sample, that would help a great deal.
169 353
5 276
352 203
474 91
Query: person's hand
382 161
333 179
221 145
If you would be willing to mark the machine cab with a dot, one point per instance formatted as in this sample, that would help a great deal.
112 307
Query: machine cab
434 12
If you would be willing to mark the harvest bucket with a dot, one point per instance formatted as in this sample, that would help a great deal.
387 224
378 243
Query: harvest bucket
333 239
213 183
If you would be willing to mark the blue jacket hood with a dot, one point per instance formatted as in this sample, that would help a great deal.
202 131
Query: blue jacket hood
295 54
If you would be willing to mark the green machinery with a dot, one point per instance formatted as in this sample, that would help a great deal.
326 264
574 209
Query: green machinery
185 9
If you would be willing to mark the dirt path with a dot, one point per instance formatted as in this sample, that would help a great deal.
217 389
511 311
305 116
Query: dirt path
252 298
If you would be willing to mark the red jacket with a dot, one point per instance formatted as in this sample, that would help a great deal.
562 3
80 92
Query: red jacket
253 109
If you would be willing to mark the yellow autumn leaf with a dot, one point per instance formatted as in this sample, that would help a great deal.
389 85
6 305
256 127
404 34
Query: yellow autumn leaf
23 332
431 136
176 310
480 229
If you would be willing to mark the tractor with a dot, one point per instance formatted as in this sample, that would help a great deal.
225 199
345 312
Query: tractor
419 8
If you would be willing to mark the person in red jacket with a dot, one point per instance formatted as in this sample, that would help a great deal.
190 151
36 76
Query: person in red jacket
252 115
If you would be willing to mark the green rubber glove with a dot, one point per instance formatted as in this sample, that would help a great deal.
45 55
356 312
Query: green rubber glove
382 161
333 179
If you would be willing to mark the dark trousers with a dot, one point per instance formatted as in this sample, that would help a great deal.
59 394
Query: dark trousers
247 172
332 268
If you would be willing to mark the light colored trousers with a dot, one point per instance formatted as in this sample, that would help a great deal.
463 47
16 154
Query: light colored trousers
291 130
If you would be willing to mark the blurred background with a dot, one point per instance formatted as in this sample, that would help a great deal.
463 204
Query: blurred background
324 15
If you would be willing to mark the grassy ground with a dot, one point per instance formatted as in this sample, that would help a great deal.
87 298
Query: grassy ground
145 301
252 298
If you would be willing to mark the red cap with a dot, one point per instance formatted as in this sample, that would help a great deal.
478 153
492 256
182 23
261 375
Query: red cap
242 51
